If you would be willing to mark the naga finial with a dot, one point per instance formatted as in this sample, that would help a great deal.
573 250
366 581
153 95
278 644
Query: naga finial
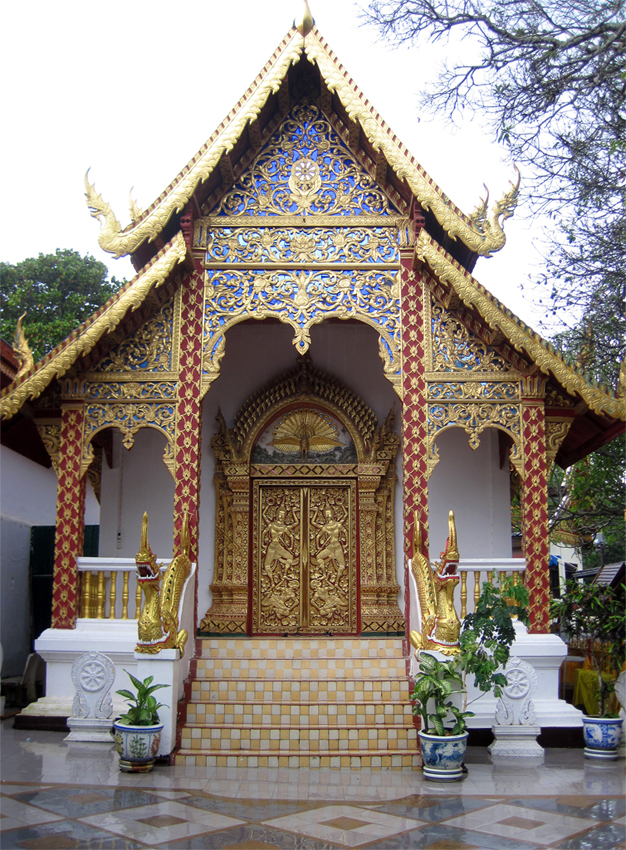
306 22
450 555
135 210
22 349
489 224
145 555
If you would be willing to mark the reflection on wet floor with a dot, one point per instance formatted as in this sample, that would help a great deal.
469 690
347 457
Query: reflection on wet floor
57 795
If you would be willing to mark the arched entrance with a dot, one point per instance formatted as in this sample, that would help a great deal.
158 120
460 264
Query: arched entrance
304 540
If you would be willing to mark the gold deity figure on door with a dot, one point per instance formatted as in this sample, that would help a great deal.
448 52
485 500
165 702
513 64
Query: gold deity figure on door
329 538
277 554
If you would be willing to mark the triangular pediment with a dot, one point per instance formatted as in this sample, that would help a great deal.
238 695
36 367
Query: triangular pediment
305 169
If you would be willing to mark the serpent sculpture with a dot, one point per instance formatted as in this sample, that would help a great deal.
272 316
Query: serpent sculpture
440 623
158 623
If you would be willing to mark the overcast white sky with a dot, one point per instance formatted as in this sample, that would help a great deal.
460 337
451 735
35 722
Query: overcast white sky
133 88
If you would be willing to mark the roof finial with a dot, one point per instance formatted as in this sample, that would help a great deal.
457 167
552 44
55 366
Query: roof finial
306 22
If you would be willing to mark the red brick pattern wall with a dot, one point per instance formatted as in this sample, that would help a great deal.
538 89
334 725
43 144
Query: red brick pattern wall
70 521
414 412
189 414
535 514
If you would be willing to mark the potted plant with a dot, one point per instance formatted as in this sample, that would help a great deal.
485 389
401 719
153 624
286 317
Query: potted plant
138 732
593 615
484 648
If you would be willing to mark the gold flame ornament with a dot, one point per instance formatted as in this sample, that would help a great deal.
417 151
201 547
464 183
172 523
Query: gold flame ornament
22 350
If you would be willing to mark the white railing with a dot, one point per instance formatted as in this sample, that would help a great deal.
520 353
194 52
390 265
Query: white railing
101 596
484 569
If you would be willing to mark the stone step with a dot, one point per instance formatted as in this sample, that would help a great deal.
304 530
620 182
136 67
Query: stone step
300 668
299 648
240 758
299 713
312 739
300 690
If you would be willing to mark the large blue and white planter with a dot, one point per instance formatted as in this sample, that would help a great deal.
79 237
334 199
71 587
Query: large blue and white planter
442 756
137 746
602 736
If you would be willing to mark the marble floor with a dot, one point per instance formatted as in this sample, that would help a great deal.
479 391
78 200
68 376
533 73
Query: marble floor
56 796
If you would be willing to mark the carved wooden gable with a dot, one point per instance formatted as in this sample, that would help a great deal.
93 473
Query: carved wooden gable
306 234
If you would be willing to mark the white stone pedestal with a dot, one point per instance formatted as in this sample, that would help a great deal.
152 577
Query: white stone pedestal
90 729
516 742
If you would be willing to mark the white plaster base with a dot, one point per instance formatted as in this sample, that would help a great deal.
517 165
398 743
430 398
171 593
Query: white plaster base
60 648
516 741
545 653
89 729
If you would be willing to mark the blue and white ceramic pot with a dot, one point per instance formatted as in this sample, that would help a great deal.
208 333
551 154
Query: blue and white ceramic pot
602 736
442 756
137 746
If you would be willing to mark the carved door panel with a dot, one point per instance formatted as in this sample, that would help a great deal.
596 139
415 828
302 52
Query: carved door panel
304 576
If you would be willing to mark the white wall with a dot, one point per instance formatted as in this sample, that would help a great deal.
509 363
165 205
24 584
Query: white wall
256 352
470 483
28 496
139 481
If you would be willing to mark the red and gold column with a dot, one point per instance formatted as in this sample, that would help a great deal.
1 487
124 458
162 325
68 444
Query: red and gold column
414 411
535 503
188 438
70 519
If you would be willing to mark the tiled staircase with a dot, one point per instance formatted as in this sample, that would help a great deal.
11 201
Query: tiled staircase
318 702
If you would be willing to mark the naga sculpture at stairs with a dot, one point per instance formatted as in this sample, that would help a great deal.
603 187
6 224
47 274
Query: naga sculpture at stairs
440 623
158 623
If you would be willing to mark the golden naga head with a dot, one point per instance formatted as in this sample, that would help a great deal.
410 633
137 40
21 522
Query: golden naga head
145 559
449 562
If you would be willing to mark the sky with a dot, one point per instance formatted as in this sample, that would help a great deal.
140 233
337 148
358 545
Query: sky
132 89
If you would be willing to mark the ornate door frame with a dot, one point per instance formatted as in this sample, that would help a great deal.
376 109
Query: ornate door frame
376 447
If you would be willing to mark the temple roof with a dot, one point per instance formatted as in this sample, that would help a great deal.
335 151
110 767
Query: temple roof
303 67
305 70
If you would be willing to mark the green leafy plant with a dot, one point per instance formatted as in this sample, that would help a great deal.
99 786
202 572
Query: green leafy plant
485 647
594 614
143 708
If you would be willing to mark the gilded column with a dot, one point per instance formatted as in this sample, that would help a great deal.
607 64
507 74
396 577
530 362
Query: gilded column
187 451
535 502
369 480
414 409
70 519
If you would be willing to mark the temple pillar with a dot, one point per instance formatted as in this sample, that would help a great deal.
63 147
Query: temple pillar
368 509
534 498
414 409
70 518
187 449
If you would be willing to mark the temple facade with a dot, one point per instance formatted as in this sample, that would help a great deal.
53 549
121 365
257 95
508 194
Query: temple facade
305 366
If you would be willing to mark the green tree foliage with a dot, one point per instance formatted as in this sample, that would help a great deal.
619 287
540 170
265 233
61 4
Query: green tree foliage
548 77
57 291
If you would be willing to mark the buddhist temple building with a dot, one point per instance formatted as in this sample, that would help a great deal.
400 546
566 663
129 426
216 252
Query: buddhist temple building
305 367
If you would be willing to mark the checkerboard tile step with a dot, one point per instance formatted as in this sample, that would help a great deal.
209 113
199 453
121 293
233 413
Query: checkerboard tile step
364 759
300 668
248 689
313 739
299 648
299 714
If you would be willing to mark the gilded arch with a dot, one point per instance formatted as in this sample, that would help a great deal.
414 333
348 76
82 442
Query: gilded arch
239 482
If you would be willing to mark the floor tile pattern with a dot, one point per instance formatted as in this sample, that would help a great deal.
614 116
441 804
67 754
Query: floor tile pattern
55 796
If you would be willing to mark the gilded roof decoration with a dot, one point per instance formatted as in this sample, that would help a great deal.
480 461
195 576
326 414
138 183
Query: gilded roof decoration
82 340
305 169
485 236
148 349
263 245
520 336
456 349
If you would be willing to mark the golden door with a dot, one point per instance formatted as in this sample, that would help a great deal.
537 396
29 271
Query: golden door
304 573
